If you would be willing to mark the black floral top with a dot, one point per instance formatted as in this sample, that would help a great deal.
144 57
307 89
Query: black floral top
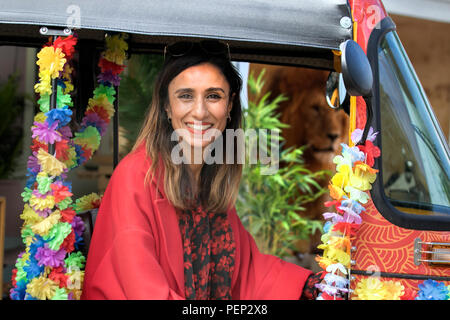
209 253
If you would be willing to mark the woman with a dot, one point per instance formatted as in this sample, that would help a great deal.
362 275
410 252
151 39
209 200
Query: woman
168 229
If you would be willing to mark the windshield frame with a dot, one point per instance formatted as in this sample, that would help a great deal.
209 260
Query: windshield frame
379 198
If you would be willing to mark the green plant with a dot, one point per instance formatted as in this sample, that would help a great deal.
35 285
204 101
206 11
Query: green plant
269 205
11 108
136 89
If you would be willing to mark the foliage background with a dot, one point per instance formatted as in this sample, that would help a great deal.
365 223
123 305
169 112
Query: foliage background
269 205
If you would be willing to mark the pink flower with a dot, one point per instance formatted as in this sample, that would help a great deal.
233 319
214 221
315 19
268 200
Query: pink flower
45 133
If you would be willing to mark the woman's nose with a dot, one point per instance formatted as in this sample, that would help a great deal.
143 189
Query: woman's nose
200 110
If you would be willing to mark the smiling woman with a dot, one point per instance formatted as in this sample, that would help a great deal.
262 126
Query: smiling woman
174 233
199 100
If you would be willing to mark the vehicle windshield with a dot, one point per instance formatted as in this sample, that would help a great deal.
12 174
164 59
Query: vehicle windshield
415 156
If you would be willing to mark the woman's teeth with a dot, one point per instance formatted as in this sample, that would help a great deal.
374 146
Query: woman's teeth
197 127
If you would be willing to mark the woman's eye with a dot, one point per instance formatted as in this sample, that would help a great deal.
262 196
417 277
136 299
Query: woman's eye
214 96
185 96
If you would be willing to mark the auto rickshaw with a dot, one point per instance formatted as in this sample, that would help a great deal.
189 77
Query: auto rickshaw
403 239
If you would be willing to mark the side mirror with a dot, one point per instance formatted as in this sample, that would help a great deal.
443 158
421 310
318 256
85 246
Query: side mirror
358 78
356 70
336 93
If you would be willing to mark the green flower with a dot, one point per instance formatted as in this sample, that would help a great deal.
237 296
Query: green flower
26 232
63 204
75 260
26 194
109 92
60 294
44 183
57 234
61 100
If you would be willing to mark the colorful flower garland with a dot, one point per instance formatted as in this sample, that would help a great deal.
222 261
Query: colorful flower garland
348 188
51 267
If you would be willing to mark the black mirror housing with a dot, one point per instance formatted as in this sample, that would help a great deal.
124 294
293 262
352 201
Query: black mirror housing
356 69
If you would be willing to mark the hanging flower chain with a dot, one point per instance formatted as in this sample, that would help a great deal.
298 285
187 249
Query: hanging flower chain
348 187
51 267
354 177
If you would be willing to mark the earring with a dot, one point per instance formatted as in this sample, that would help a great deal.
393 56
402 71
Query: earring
229 117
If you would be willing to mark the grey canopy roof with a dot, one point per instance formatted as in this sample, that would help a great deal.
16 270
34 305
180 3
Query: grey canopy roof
289 31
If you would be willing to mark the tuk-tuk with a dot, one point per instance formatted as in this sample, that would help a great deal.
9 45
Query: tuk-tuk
403 240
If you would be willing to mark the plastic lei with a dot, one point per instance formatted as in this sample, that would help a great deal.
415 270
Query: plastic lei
51 267
348 188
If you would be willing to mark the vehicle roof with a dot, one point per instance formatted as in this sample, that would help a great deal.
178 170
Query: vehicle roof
289 31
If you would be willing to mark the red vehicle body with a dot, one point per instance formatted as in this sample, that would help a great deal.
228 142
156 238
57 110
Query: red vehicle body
381 247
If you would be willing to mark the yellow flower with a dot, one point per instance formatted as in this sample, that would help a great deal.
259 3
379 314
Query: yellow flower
342 243
324 262
370 289
42 203
69 87
40 117
67 72
337 255
363 176
51 60
26 256
87 202
30 216
116 47
43 227
394 290
49 164
42 288
44 84
102 101
336 192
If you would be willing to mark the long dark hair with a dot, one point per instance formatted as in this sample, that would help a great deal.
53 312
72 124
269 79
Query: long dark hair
219 183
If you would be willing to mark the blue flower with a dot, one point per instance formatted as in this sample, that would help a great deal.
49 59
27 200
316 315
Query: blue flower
432 290
327 226
79 242
18 293
33 269
355 153
62 115
79 151
37 243
355 205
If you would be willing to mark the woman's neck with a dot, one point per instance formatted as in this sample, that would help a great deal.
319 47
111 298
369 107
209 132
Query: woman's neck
196 170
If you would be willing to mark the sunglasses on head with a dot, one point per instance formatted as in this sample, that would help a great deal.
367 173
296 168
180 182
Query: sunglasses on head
211 47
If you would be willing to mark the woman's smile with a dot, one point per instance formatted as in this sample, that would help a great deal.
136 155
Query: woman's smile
198 127
199 104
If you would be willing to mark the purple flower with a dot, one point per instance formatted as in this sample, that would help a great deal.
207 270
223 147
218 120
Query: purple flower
357 135
108 76
351 216
94 120
37 194
77 225
43 213
33 163
49 257
65 132
46 134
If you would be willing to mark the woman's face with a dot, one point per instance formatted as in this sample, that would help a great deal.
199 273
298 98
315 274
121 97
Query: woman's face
199 103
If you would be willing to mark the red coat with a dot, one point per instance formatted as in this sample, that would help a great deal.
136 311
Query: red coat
136 250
